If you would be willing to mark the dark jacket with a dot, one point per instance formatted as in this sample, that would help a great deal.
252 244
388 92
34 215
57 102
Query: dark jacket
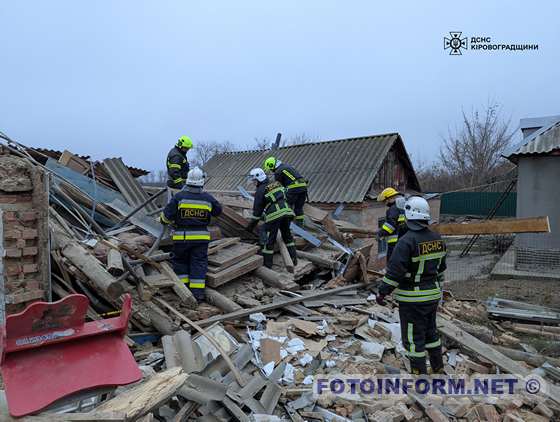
290 178
416 267
190 211
177 168
270 202
394 225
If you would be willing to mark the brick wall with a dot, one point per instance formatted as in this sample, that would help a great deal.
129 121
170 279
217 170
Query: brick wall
24 233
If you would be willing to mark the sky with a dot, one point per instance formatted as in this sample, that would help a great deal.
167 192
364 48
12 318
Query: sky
111 78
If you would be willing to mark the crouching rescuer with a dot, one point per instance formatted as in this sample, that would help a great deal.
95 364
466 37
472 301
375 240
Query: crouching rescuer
271 205
189 211
414 274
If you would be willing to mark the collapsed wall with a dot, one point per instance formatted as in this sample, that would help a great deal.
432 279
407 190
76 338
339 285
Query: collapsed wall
24 267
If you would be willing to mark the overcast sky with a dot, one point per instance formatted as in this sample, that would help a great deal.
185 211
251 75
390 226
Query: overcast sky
127 78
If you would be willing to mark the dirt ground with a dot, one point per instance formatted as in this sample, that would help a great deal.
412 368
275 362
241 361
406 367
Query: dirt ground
544 293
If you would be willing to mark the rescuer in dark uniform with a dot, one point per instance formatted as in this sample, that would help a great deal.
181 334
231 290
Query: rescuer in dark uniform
415 274
190 211
394 225
177 163
294 182
271 205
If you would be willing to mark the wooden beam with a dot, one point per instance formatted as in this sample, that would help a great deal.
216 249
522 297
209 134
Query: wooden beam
490 353
502 226
89 265
146 396
271 306
319 260
215 298
288 263
178 286
274 279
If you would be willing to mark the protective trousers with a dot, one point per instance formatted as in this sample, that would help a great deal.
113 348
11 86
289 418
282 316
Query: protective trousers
271 229
296 201
190 263
419 335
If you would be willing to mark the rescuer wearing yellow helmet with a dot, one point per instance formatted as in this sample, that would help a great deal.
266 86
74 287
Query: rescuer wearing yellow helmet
294 183
395 221
177 163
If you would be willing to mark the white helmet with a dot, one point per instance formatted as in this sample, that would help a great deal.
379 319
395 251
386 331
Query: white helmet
195 177
417 208
257 174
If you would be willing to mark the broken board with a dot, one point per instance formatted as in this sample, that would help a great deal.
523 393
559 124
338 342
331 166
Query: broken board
502 226
230 255
215 279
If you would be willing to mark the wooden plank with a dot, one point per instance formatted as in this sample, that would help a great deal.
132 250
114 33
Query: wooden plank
219 244
225 258
288 263
237 270
275 279
502 226
146 396
489 353
319 260
74 162
271 306
178 286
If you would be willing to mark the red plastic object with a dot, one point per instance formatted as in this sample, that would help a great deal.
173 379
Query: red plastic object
49 352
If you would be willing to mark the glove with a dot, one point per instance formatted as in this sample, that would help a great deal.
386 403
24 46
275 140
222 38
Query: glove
380 299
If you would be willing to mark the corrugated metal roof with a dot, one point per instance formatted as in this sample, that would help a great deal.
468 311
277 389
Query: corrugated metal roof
542 141
338 171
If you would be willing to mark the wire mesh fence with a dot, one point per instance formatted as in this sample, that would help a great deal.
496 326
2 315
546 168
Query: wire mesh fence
519 267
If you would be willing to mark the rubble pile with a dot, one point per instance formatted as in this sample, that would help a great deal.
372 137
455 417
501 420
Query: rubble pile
255 348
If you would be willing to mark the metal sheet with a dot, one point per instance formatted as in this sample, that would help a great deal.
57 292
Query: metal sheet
133 192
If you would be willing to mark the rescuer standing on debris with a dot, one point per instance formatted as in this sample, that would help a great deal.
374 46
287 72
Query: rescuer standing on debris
293 181
394 225
189 211
271 205
177 164
415 273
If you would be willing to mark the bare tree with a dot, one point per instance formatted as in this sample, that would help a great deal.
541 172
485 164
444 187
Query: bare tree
155 177
298 139
204 150
262 144
472 154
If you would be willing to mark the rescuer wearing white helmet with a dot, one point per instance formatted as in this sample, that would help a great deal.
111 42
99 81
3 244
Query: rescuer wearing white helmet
271 205
189 212
414 274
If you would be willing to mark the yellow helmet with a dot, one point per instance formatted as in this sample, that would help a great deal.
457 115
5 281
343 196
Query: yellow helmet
270 163
184 142
386 194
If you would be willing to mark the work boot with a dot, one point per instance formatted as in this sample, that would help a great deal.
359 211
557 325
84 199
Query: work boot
199 294
293 254
299 222
436 360
418 366
268 260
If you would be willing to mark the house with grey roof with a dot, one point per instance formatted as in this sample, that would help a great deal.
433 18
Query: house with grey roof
537 156
345 171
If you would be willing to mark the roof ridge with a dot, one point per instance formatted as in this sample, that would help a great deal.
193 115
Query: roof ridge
358 138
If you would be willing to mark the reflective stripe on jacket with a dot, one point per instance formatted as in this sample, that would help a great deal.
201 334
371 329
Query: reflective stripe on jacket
270 202
177 167
415 270
290 178
190 211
